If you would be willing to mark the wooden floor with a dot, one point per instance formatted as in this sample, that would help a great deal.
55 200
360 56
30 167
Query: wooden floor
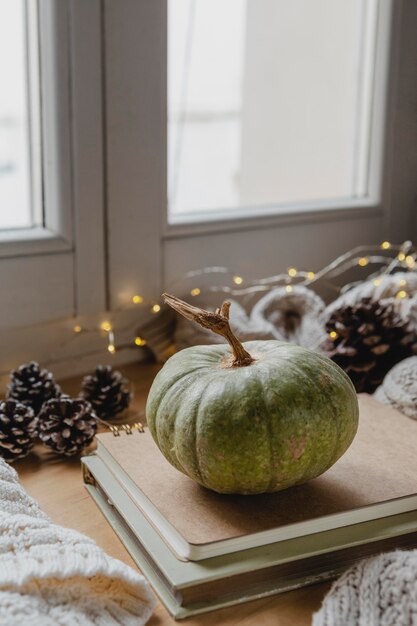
57 485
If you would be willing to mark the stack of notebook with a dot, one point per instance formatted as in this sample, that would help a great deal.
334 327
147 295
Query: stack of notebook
201 550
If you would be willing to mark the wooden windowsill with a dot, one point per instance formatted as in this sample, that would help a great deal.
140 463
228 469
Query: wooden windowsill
57 485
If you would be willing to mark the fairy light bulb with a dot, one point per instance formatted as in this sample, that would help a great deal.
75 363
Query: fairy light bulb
410 260
333 334
77 328
288 289
195 292
363 261
311 275
401 256
292 272
401 294
106 326
136 299
376 282
139 341
111 347
156 308
385 245
238 280
403 282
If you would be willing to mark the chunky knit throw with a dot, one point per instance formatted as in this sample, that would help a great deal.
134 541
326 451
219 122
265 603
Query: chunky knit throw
380 591
52 576
399 388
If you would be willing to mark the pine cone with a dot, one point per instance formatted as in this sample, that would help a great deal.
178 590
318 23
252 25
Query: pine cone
32 386
367 340
107 392
17 430
67 426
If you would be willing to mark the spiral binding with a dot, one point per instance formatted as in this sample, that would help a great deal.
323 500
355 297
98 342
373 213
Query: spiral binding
127 428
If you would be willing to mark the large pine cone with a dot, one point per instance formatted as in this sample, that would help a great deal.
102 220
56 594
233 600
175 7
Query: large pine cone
17 430
107 392
32 386
367 340
67 426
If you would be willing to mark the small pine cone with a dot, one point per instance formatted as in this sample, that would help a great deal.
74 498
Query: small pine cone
17 430
32 386
367 340
67 426
107 392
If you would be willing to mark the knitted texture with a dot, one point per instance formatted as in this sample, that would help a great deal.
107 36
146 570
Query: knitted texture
380 591
386 289
399 387
51 575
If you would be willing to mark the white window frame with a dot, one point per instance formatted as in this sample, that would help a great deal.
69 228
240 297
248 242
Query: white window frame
376 54
55 273
53 229
71 137
308 234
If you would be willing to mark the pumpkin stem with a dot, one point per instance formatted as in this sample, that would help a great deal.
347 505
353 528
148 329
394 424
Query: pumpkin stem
218 322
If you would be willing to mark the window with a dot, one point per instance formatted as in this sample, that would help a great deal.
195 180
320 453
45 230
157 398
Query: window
155 138
19 115
268 103
176 79
51 211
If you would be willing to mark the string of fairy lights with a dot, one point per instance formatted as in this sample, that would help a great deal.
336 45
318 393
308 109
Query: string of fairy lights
386 256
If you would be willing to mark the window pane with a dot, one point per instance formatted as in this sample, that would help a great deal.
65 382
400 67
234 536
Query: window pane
16 201
267 102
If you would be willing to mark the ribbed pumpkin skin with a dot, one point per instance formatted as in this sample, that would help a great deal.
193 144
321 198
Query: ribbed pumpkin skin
278 422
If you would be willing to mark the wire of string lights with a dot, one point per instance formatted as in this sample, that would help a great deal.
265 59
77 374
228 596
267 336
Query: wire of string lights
376 260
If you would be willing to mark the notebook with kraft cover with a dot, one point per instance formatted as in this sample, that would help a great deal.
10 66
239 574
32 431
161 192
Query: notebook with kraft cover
375 479
191 587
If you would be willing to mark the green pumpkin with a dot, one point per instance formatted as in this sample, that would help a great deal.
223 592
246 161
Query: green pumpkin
270 416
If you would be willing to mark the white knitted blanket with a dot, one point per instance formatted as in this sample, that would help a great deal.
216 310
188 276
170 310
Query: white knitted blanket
52 576
380 591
